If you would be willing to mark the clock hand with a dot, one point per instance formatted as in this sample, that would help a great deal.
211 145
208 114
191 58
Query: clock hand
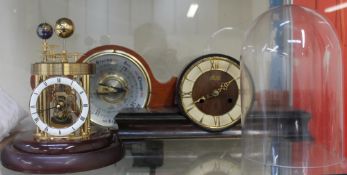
47 109
224 86
216 92
199 100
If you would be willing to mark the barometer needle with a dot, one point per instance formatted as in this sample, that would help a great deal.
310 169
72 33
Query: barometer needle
118 90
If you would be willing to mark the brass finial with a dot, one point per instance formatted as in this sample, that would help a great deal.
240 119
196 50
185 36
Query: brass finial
64 27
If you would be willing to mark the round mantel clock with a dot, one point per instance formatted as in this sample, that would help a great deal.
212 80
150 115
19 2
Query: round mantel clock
123 79
209 92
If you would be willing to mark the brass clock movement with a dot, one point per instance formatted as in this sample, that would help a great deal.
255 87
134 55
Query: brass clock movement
59 106
64 140
209 92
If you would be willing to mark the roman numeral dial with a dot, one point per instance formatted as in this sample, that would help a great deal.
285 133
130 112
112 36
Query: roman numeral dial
61 121
209 92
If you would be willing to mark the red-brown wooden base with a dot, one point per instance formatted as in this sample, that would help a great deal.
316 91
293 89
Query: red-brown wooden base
26 154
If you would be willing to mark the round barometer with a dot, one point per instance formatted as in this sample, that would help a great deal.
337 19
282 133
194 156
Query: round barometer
120 81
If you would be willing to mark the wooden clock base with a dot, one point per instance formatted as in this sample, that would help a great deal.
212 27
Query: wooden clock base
26 154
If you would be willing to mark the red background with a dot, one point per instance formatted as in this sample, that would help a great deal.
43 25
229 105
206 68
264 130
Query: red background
339 20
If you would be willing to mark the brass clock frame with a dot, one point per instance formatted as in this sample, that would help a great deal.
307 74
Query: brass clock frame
63 69
84 131
75 71
56 64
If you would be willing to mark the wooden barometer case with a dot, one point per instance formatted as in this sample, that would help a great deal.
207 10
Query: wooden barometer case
64 140
123 79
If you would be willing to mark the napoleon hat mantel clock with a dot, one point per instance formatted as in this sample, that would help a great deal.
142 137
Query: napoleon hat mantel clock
209 92
64 140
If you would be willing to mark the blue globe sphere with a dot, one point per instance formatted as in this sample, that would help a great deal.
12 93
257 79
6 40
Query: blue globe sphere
44 30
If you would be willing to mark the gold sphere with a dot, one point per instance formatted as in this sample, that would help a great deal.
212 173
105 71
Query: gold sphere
64 27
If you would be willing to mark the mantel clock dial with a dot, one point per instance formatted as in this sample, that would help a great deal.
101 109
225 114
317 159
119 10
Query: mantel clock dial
121 81
66 112
209 92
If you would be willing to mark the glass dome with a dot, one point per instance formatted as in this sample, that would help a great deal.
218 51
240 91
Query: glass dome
291 79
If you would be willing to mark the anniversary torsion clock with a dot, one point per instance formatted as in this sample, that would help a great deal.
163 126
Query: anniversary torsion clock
209 92
64 140
123 79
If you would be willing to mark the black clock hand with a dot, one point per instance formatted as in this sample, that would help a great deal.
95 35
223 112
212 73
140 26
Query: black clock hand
47 109
117 89
215 93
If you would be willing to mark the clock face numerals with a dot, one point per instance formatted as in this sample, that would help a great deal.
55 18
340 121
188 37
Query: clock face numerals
65 116
120 82
209 92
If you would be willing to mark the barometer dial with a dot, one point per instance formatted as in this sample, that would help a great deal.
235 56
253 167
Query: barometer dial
120 82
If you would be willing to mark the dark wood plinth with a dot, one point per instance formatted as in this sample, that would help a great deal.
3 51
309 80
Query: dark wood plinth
26 154
164 123
25 143
285 123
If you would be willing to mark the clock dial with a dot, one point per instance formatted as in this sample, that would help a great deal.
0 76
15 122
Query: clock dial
209 92
120 81
65 115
